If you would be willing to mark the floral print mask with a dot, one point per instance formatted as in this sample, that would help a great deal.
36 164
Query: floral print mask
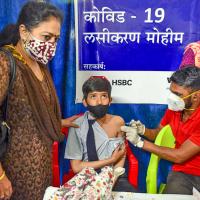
39 50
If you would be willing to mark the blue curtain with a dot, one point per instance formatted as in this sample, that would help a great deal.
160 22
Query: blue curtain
63 71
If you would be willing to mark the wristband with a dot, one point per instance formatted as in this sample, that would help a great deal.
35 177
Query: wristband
3 175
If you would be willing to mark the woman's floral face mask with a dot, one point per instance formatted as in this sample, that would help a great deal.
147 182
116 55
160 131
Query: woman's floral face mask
39 50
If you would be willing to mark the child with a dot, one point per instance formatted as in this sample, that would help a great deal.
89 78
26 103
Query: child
98 142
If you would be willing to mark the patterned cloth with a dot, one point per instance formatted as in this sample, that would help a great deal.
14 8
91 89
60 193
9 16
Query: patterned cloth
191 55
87 185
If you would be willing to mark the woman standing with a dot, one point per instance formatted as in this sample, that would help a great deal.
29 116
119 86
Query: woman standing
33 109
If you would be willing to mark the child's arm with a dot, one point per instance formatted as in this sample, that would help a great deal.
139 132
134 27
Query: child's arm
78 165
120 122
121 162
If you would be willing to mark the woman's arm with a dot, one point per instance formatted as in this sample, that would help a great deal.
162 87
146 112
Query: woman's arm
69 122
4 74
5 185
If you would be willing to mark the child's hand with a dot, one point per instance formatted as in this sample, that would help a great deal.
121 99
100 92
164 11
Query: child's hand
118 153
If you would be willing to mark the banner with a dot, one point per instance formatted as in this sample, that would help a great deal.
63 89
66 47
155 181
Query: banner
136 44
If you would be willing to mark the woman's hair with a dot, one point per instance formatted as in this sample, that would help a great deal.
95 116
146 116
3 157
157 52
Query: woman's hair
96 83
188 77
31 15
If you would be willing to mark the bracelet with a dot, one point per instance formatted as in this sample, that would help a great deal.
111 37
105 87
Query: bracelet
2 176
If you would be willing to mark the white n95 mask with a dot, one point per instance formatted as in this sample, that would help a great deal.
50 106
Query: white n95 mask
175 102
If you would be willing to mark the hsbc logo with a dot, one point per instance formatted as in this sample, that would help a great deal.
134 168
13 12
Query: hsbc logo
122 82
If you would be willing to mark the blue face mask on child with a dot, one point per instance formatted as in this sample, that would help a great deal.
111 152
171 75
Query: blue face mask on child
98 111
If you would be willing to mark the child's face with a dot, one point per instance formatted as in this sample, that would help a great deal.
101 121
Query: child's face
96 98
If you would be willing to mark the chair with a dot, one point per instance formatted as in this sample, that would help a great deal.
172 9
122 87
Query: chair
132 166
66 172
55 166
164 138
60 175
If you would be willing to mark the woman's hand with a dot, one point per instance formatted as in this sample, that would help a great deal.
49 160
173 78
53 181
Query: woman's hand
68 122
5 188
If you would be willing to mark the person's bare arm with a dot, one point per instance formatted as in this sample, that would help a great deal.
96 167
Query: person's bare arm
187 150
151 134
5 184
69 122
120 122
121 162
78 165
